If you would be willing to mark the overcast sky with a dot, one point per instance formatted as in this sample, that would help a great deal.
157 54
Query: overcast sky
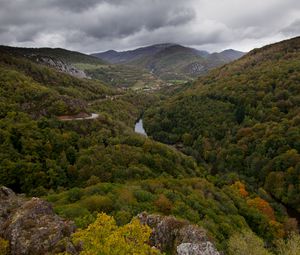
98 25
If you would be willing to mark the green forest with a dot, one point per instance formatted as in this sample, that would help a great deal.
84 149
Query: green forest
242 118
221 152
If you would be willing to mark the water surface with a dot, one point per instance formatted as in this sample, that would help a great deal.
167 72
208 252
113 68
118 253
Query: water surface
139 128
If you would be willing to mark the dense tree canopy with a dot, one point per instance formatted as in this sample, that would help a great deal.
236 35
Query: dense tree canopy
238 129
244 118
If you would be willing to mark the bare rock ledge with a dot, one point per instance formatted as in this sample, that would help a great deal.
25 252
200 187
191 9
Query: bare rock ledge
176 236
32 227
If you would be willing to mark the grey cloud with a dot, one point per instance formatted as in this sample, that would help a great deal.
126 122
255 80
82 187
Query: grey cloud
74 5
130 19
292 29
81 5
96 25
3 30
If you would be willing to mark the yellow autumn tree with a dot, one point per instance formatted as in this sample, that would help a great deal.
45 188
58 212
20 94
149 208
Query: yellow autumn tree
104 237
4 247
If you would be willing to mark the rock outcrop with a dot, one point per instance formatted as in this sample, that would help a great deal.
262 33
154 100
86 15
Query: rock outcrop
61 66
32 227
177 236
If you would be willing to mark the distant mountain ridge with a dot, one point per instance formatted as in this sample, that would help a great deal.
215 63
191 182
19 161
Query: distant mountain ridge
171 61
117 57
113 56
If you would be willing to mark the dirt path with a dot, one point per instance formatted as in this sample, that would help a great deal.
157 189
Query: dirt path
69 118
111 98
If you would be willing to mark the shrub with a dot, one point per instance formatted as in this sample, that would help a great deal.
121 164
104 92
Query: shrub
104 237
73 211
246 243
83 221
93 180
98 203
163 204
143 196
74 195
4 247
101 189
290 246
123 217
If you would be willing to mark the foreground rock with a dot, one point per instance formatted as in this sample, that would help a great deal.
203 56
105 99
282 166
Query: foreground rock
32 227
177 236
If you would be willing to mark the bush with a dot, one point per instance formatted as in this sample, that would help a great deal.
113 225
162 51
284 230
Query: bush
98 203
4 247
289 247
100 189
105 237
246 243
74 195
143 196
84 221
73 211
93 180
163 204
123 217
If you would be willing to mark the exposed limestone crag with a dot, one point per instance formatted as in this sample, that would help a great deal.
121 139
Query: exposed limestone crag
61 66
32 227
177 236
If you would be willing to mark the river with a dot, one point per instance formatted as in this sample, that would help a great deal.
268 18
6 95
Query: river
139 128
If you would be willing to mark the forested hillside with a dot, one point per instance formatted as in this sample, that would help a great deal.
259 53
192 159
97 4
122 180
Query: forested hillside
85 66
234 142
242 118
38 151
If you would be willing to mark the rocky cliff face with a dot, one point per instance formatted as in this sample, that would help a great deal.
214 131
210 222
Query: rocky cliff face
32 227
177 236
61 66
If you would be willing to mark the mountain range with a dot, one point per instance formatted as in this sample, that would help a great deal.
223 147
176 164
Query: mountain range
149 67
171 61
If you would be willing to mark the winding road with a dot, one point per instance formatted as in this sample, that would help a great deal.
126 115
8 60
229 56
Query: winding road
69 118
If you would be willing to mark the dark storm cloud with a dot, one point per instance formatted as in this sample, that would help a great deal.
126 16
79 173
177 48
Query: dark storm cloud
80 5
94 25
129 19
